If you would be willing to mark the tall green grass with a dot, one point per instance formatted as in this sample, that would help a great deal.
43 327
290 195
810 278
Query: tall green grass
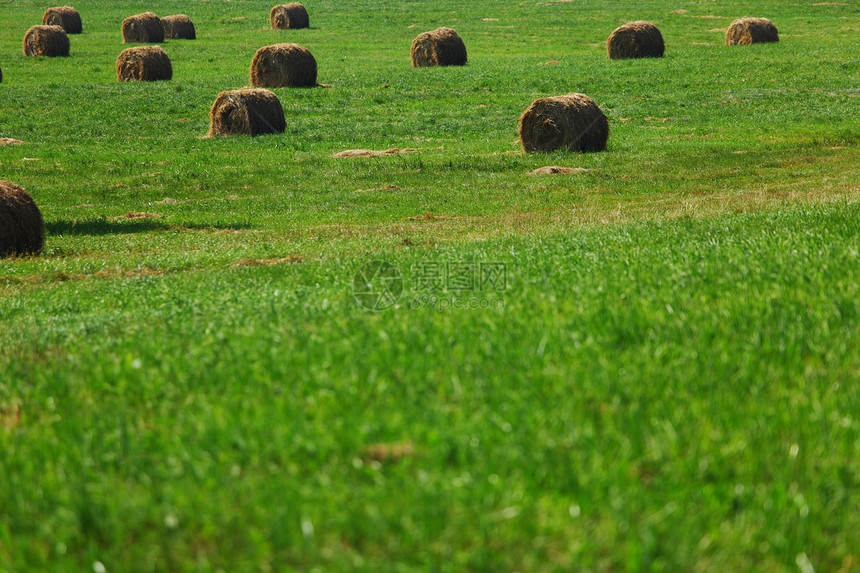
667 380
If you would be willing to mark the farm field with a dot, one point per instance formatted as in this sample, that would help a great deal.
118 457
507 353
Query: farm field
647 365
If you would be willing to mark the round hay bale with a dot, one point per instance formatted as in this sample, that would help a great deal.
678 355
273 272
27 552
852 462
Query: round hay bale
22 230
143 28
143 63
285 16
283 65
638 39
247 112
65 17
745 31
48 41
440 47
178 27
570 121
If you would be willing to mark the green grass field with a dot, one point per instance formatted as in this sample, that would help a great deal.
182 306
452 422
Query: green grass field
648 366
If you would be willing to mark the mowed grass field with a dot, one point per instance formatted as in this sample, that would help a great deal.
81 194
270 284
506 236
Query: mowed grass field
662 374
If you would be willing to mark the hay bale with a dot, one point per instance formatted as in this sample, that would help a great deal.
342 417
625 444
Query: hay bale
143 28
247 112
48 41
285 16
638 39
570 121
143 63
440 47
65 17
22 230
283 65
178 27
745 31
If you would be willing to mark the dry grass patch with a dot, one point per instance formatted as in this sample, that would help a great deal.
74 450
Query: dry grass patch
267 262
557 170
388 452
10 417
372 153
383 188
132 215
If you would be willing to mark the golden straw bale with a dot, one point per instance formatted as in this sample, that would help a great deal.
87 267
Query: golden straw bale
638 39
143 28
440 47
283 65
22 230
178 27
572 121
143 63
285 16
65 17
745 31
247 112
48 41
